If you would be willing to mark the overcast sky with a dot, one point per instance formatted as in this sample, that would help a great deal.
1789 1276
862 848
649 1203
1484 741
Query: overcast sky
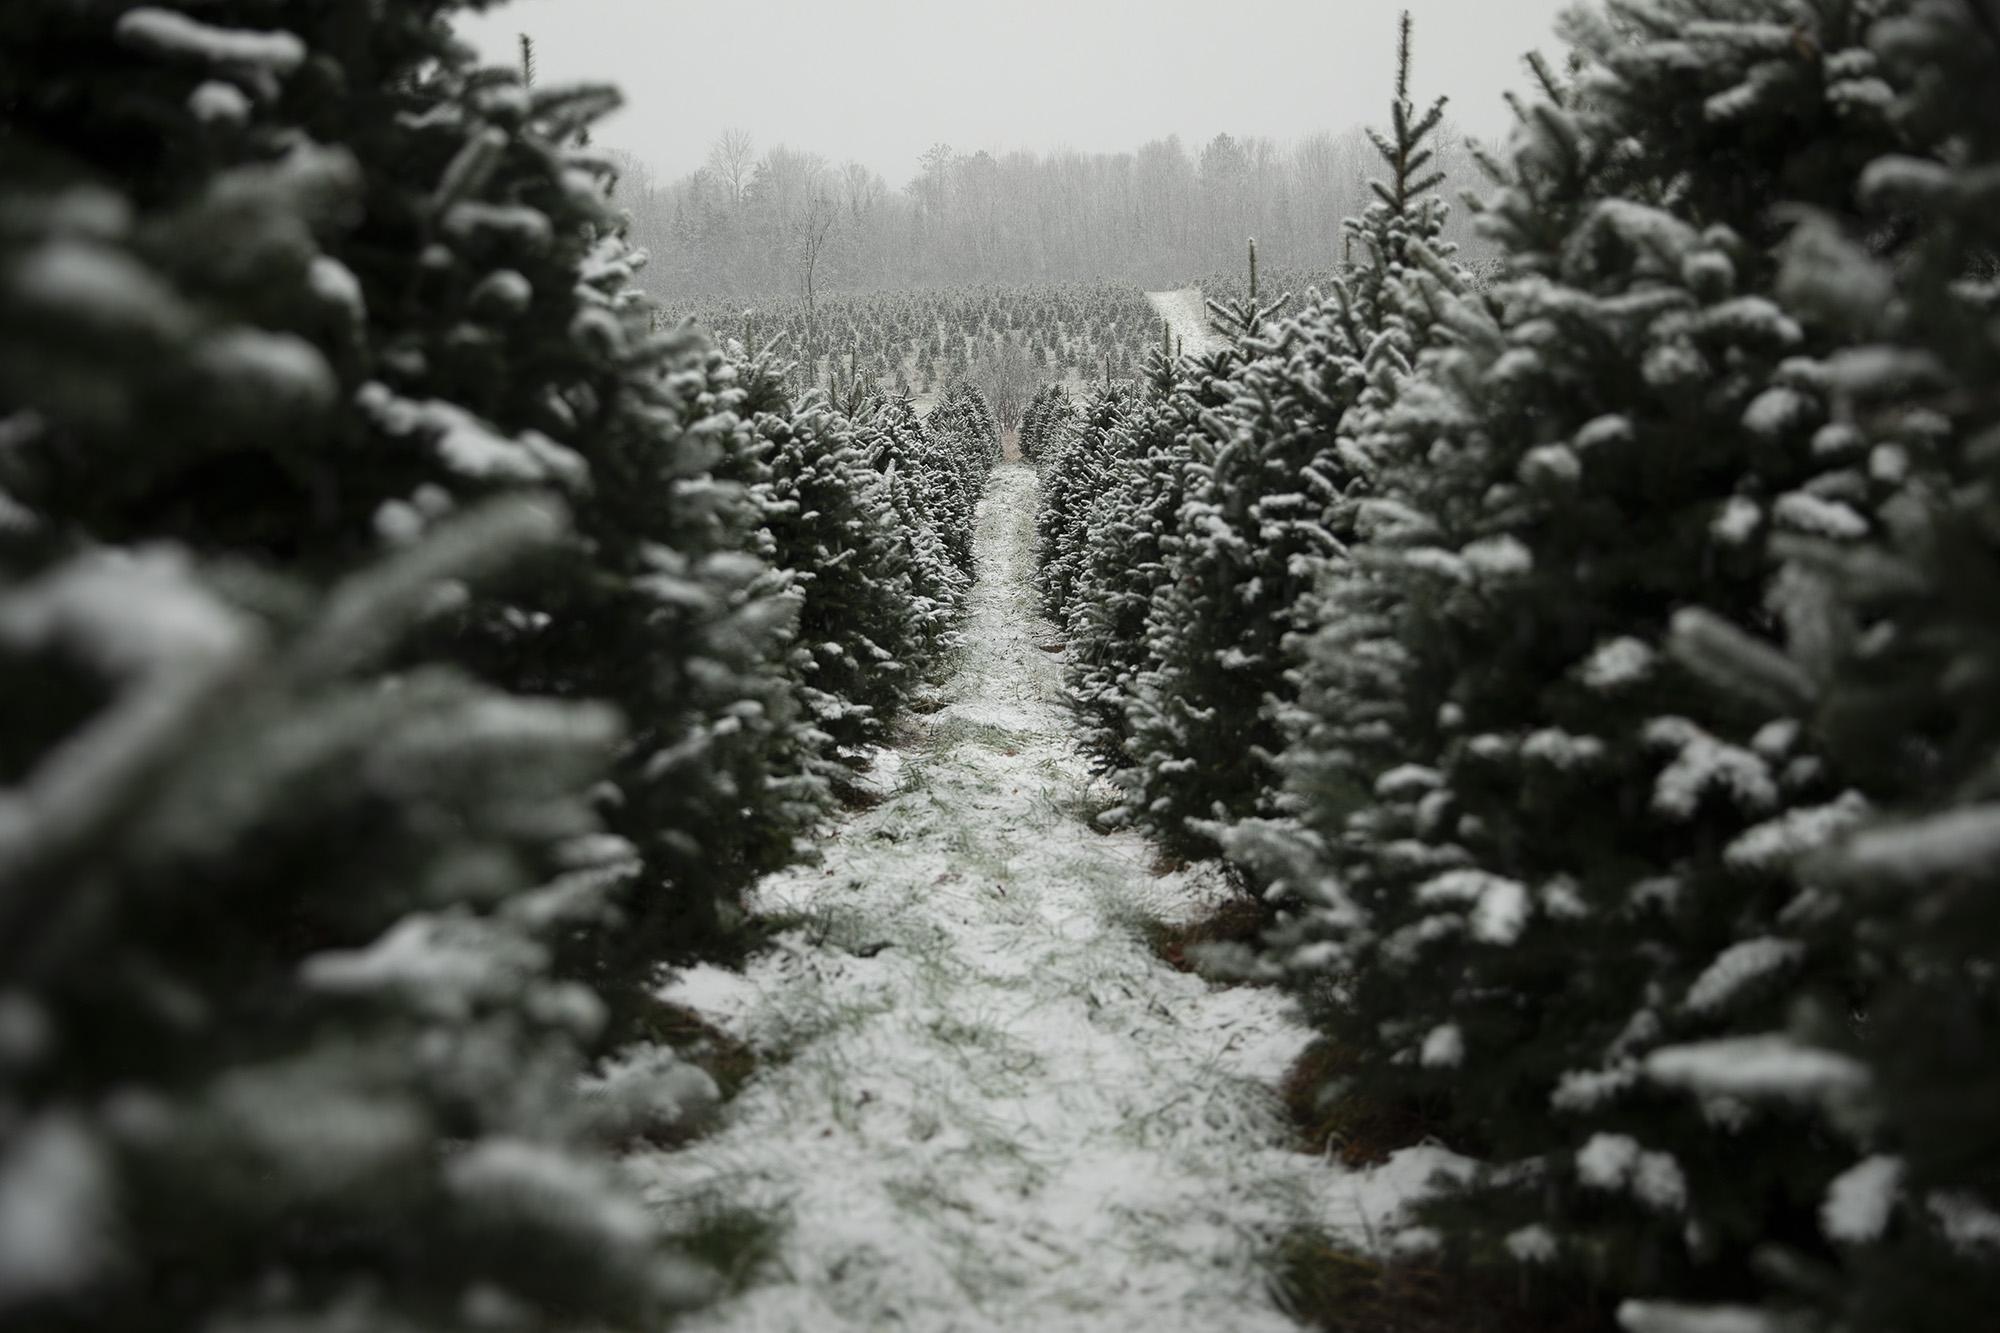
881 80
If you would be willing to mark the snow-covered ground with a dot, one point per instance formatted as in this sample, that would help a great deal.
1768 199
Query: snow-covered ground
1186 313
983 1102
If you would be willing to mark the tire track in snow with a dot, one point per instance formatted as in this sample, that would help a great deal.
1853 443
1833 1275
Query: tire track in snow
984 1103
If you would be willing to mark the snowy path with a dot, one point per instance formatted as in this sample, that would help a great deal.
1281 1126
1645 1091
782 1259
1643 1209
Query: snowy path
983 1102
1186 313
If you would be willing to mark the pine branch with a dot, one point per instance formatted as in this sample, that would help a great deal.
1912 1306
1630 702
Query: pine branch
1540 69
1488 163
1344 305
1431 120
1384 147
1563 133
1403 59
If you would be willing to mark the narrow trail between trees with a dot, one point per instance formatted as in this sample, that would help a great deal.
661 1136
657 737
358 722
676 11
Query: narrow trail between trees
982 1102
1186 313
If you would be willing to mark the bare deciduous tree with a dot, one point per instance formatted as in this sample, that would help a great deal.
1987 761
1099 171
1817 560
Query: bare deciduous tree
811 226
1159 216
729 158
861 188
1008 379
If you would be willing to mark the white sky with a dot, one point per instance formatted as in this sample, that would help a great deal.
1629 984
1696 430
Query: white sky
881 80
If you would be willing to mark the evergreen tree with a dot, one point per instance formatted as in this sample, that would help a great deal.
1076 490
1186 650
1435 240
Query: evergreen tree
967 441
930 446
1265 510
1127 526
307 864
444 310
1046 413
288 1046
1072 477
286 1050
866 632
1534 847
924 499
1898 685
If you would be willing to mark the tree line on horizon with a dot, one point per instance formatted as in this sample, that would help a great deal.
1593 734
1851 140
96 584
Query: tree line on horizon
750 223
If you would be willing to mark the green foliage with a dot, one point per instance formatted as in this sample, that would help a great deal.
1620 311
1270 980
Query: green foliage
285 1040
1535 848
1116 558
406 638
1269 481
1897 684
1072 472
931 338
444 310
876 609
1620 630
1047 413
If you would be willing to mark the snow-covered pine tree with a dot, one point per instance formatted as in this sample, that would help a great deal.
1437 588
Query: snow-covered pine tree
1897 681
866 632
967 440
922 497
1267 490
1126 530
1073 472
674 611
286 1050
284 1047
930 448
1046 412
1407 287
1560 859
467 325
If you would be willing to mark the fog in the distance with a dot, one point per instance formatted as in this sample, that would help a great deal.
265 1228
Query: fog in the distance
879 81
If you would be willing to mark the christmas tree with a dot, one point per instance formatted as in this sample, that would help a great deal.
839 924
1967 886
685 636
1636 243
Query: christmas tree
397 608
1128 525
286 896
444 310
1894 680
1046 413
1533 844
1265 508
921 499
1073 473
866 631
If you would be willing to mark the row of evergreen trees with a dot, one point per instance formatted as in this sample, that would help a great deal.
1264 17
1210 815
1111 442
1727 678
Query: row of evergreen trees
1596 670
1046 413
407 644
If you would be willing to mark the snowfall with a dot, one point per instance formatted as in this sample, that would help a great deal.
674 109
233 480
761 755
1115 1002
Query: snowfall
982 1101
